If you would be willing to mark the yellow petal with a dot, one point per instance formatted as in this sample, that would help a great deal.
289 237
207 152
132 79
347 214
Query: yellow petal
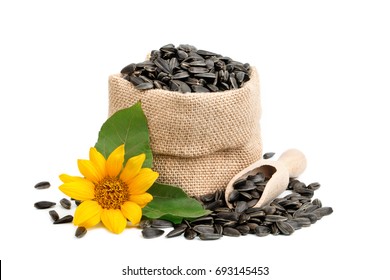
143 181
98 160
113 220
88 169
87 214
133 166
141 199
132 212
80 190
67 178
115 160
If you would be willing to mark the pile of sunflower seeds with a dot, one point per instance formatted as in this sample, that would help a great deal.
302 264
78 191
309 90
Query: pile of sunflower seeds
282 216
64 202
187 69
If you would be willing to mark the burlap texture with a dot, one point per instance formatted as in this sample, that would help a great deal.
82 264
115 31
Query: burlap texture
199 140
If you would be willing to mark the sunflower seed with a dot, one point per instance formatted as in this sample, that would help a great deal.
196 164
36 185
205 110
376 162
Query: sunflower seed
241 206
161 224
239 183
243 229
230 216
209 236
180 75
149 232
42 185
294 224
229 231
177 231
203 229
181 54
234 196
257 214
258 178
129 69
205 75
275 218
249 185
145 223
144 86
207 197
314 186
162 64
80 232
302 221
218 229
269 210
212 87
285 228
64 220
323 211
317 202
274 229
190 234
214 205
262 231
44 204
65 203
203 220
54 215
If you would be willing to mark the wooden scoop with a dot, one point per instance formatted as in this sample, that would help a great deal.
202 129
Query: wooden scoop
290 164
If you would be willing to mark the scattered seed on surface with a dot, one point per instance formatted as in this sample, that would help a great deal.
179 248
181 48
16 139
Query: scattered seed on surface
42 185
65 203
80 232
152 232
54 215
64 220
44 204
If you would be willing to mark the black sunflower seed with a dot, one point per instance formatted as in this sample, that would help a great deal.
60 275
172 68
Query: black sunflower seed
262 231
80 232
54 215
275 218
190 234
149 232
177 231
161 224
42 185
268 155
144 86
44 204
65 203
229 231
210 236
64 220
285 228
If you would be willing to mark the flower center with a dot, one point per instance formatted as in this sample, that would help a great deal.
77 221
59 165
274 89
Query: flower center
111 193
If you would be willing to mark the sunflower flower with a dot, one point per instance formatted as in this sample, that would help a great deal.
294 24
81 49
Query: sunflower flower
109 192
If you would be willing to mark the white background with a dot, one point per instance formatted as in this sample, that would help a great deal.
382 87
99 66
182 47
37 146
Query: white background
324 69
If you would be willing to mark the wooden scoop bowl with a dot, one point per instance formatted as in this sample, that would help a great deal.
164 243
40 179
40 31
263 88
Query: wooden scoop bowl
289 165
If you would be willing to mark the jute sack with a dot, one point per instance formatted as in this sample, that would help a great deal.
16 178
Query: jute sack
199 140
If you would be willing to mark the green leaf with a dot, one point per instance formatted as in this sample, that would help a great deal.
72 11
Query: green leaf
173 204
128 126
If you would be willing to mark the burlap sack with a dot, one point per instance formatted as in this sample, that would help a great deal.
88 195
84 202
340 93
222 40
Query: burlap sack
199 140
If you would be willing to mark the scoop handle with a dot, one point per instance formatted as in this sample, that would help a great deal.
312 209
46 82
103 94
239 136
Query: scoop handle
295 162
